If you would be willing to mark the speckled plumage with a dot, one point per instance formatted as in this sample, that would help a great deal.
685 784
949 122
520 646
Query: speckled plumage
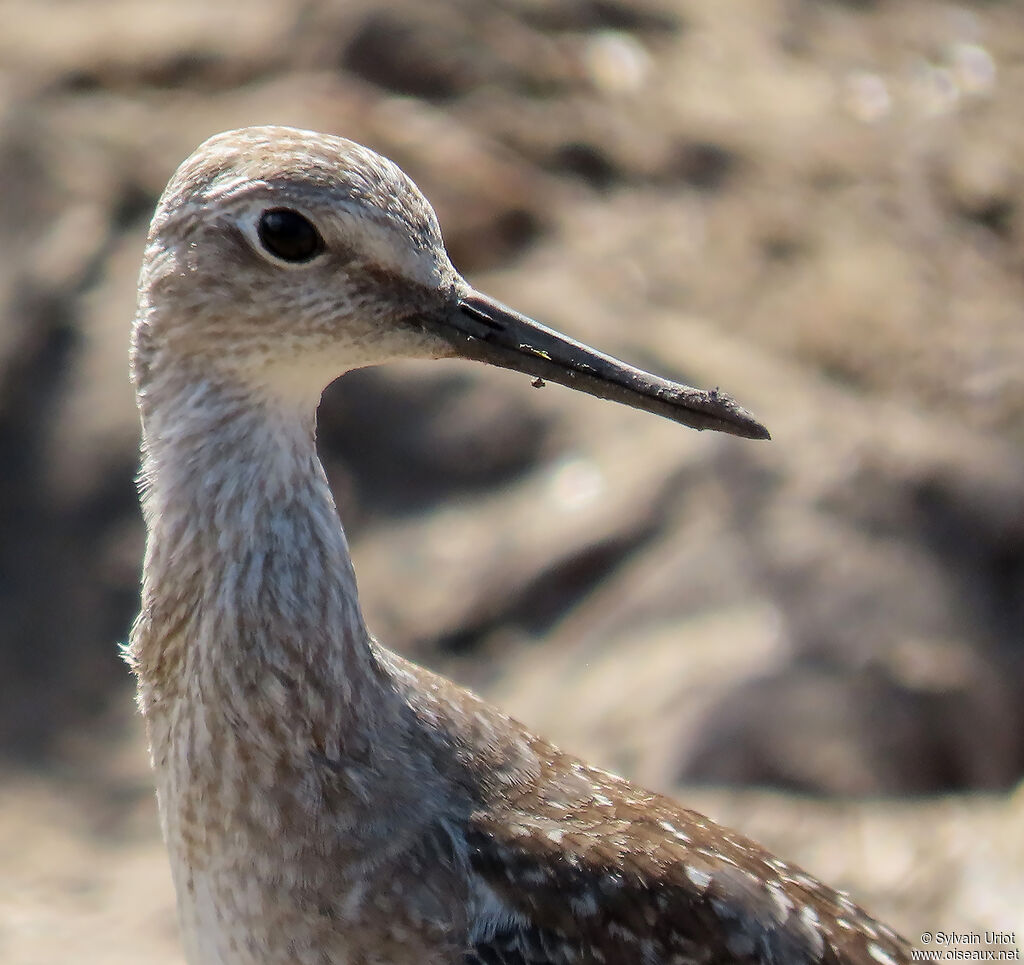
324 801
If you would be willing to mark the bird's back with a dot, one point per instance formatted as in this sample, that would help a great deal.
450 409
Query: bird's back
568 863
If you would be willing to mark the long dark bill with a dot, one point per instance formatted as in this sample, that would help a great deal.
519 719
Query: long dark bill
483 329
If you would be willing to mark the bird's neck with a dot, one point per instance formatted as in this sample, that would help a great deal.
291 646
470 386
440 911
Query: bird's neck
247 580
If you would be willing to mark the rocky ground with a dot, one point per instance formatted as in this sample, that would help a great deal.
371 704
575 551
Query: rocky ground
813 204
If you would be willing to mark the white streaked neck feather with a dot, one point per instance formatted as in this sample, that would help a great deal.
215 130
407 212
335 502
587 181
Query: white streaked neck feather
246 556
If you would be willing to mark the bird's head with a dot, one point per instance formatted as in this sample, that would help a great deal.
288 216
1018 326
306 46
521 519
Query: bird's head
278 259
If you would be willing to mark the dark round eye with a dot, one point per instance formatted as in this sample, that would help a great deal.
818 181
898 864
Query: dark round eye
288 235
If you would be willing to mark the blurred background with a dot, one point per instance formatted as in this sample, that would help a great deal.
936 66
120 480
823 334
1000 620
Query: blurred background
813 204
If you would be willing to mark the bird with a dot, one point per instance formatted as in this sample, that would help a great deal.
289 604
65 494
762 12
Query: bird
322 799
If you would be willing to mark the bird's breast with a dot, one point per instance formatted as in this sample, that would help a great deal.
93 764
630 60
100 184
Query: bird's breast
270 843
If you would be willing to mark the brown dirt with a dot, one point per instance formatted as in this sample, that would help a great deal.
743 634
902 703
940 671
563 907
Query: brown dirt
815 205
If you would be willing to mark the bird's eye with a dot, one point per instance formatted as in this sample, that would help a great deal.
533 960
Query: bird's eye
289 235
